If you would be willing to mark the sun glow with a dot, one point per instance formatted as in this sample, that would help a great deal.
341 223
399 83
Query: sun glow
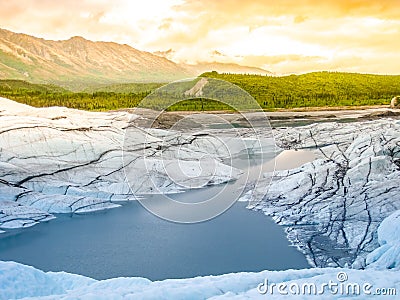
284 37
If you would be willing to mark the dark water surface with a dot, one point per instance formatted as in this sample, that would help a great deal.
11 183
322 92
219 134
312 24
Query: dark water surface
130 241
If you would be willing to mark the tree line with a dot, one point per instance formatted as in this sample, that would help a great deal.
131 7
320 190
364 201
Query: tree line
316 89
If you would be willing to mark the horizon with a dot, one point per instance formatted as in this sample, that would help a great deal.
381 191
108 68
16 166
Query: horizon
289 38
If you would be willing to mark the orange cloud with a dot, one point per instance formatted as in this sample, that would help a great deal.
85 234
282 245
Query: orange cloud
313 8
283 36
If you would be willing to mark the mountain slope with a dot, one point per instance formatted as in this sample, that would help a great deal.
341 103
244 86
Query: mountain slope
78 62
202 67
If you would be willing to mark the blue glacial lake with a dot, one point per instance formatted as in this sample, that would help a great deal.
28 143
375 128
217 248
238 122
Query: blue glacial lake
130 241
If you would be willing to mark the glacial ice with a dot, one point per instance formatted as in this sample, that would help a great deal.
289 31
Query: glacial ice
60 160
19 281
341 210
387 255
331 208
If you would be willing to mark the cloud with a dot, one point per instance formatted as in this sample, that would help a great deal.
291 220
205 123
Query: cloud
312 8
96 20
283 35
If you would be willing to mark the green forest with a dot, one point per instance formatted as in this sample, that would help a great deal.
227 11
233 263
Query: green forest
42 95
318 89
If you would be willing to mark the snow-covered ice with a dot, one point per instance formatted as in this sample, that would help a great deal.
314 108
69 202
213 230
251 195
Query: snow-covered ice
332 207
341 210
18 281
60 160
387 255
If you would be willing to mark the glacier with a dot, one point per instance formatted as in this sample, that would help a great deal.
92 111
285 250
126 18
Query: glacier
60 160
23 282
341 210
331 207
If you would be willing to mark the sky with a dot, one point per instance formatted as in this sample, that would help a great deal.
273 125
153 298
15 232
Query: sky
282 36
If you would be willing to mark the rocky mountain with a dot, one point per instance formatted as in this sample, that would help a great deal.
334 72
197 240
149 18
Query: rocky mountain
76 63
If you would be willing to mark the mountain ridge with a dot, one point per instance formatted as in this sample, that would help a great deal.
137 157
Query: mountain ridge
76 63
